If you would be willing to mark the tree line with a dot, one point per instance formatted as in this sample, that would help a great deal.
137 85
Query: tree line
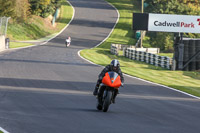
20 10
180 7
184 7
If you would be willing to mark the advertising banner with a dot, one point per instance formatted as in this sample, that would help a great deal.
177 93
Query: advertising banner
174 23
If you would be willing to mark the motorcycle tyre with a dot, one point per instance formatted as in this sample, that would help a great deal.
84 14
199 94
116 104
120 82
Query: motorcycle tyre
99 103
107 101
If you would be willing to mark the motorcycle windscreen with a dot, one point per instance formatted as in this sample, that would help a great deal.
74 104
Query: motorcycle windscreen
112 79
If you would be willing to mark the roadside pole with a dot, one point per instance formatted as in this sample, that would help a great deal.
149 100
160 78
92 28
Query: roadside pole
141 32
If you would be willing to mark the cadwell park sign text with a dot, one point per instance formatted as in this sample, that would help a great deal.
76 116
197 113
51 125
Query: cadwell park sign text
174 23
166 23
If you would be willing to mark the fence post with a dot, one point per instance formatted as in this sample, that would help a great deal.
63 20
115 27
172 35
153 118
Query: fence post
186 53
198 57
7 43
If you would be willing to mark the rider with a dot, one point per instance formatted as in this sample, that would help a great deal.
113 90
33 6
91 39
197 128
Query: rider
68 41
114 66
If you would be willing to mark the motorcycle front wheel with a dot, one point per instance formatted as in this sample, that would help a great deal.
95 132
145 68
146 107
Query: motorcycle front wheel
107 100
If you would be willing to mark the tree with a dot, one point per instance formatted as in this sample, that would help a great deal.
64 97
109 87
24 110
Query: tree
186 7
44 7
7 8
22 10
56 3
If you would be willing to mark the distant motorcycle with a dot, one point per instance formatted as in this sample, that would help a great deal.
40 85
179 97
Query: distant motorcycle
68 41
67 44
110 82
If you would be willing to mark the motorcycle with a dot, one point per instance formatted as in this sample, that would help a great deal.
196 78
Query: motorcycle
67 43
110 85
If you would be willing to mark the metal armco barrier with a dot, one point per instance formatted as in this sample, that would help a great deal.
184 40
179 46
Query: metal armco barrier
114 49
147 55
153 59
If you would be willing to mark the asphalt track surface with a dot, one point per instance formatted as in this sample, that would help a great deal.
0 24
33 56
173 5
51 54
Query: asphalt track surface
48 88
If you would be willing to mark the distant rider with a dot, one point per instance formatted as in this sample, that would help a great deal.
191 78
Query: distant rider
68 41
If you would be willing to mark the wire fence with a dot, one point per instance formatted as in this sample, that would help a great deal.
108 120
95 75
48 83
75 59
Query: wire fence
3 25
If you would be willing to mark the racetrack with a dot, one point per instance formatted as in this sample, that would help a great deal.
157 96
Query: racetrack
48 88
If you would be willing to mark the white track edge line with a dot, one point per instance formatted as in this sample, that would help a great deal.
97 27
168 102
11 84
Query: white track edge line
118 16
4 131
113 26
127 74
163 86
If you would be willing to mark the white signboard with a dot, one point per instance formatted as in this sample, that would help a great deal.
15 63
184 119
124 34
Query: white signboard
174 23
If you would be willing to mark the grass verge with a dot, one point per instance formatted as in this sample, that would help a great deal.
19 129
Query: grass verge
18 44
166 54
123 34
37 27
